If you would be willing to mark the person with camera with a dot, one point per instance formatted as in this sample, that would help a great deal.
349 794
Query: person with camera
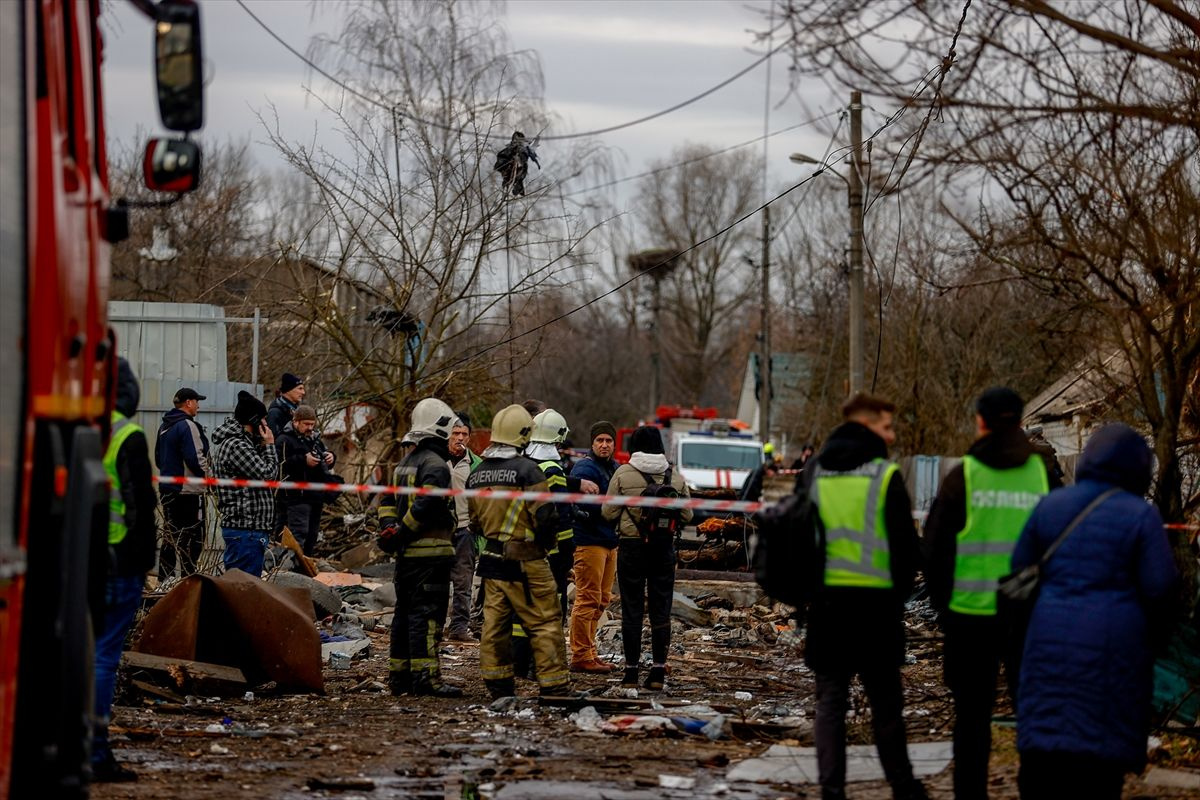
646 555
303 457
244 447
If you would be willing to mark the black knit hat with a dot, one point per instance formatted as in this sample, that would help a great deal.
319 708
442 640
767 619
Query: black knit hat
603 426
646 439
1000 408
249 410
289 382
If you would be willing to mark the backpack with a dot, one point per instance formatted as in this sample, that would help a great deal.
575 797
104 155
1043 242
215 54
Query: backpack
660 524
789 551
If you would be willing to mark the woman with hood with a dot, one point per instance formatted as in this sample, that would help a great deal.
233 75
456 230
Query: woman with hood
646 555
1084 702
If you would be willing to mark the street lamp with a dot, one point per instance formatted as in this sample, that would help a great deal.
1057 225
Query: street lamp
854 186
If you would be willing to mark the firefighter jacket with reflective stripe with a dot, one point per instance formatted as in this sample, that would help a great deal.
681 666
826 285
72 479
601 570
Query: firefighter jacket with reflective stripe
427 522
531 525
851 505
122 429
999 501
556 480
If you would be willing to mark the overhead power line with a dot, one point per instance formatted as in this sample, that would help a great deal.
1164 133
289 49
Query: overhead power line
703 157
394 108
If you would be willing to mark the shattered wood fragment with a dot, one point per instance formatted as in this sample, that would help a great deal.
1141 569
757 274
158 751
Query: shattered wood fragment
209 678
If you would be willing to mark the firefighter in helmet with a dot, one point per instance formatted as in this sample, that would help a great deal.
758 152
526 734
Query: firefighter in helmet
419 529
518 584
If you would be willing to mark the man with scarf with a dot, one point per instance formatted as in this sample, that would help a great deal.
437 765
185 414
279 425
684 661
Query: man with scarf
419 529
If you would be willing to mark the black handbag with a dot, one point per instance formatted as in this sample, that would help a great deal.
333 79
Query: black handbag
1019 590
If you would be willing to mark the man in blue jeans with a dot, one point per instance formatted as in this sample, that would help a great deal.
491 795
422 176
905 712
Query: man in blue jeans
131 544
244 447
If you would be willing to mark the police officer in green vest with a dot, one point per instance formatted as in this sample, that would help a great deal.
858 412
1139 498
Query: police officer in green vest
973 526
131 542
856 623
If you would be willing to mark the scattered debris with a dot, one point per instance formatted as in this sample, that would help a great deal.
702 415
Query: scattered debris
784 764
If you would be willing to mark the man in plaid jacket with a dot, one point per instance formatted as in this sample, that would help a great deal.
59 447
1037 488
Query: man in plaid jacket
244 447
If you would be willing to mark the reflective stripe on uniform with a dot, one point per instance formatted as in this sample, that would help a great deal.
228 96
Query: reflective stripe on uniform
998 504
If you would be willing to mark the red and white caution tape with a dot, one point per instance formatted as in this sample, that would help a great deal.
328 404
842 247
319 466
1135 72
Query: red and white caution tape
730 506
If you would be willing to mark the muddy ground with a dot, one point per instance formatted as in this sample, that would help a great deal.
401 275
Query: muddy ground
359 742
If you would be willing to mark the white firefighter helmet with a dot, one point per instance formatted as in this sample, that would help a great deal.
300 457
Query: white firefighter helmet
512 425
432 417
549 427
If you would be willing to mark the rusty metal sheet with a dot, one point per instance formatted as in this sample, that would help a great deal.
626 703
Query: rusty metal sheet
266 631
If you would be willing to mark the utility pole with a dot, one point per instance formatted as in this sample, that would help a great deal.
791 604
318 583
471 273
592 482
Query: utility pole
764 367
655 354
856 245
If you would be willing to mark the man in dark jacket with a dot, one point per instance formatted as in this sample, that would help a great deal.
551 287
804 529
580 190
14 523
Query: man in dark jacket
856 624
303 457
244 447
973 526
595 553
131 545
181 449
512 162
419 529
289 395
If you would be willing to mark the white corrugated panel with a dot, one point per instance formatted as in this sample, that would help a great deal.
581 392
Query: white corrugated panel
193 349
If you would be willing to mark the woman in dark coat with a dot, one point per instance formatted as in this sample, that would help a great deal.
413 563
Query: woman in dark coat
1084 703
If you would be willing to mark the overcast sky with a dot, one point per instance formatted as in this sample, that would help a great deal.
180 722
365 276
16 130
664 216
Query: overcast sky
604 63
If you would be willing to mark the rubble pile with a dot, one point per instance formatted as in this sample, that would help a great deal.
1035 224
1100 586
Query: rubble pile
735 719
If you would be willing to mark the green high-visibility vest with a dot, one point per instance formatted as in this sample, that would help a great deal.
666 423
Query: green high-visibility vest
851 505
122 429
999 501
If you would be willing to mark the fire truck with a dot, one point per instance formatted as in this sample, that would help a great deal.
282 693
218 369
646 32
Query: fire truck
57 224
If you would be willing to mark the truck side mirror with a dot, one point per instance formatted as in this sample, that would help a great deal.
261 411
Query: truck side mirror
171 165
179 73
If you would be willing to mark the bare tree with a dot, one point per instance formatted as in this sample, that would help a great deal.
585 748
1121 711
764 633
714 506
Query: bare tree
705 295
414 214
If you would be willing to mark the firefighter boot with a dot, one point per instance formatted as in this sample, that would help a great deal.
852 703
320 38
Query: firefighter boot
400 683
505 687
430 686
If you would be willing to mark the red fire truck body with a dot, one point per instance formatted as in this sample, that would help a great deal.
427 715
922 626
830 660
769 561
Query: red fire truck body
57 225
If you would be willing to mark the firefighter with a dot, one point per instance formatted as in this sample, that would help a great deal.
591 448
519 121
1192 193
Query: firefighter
973 526
517 580
549 432
419 529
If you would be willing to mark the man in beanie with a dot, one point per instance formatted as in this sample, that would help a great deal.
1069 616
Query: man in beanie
646 557
244 447
287 398
303 457
595 553
973 526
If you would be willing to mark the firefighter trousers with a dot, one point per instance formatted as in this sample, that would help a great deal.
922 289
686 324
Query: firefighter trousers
532 600
422 594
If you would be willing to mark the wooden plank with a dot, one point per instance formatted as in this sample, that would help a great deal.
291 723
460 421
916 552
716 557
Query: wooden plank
713 575
181 670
